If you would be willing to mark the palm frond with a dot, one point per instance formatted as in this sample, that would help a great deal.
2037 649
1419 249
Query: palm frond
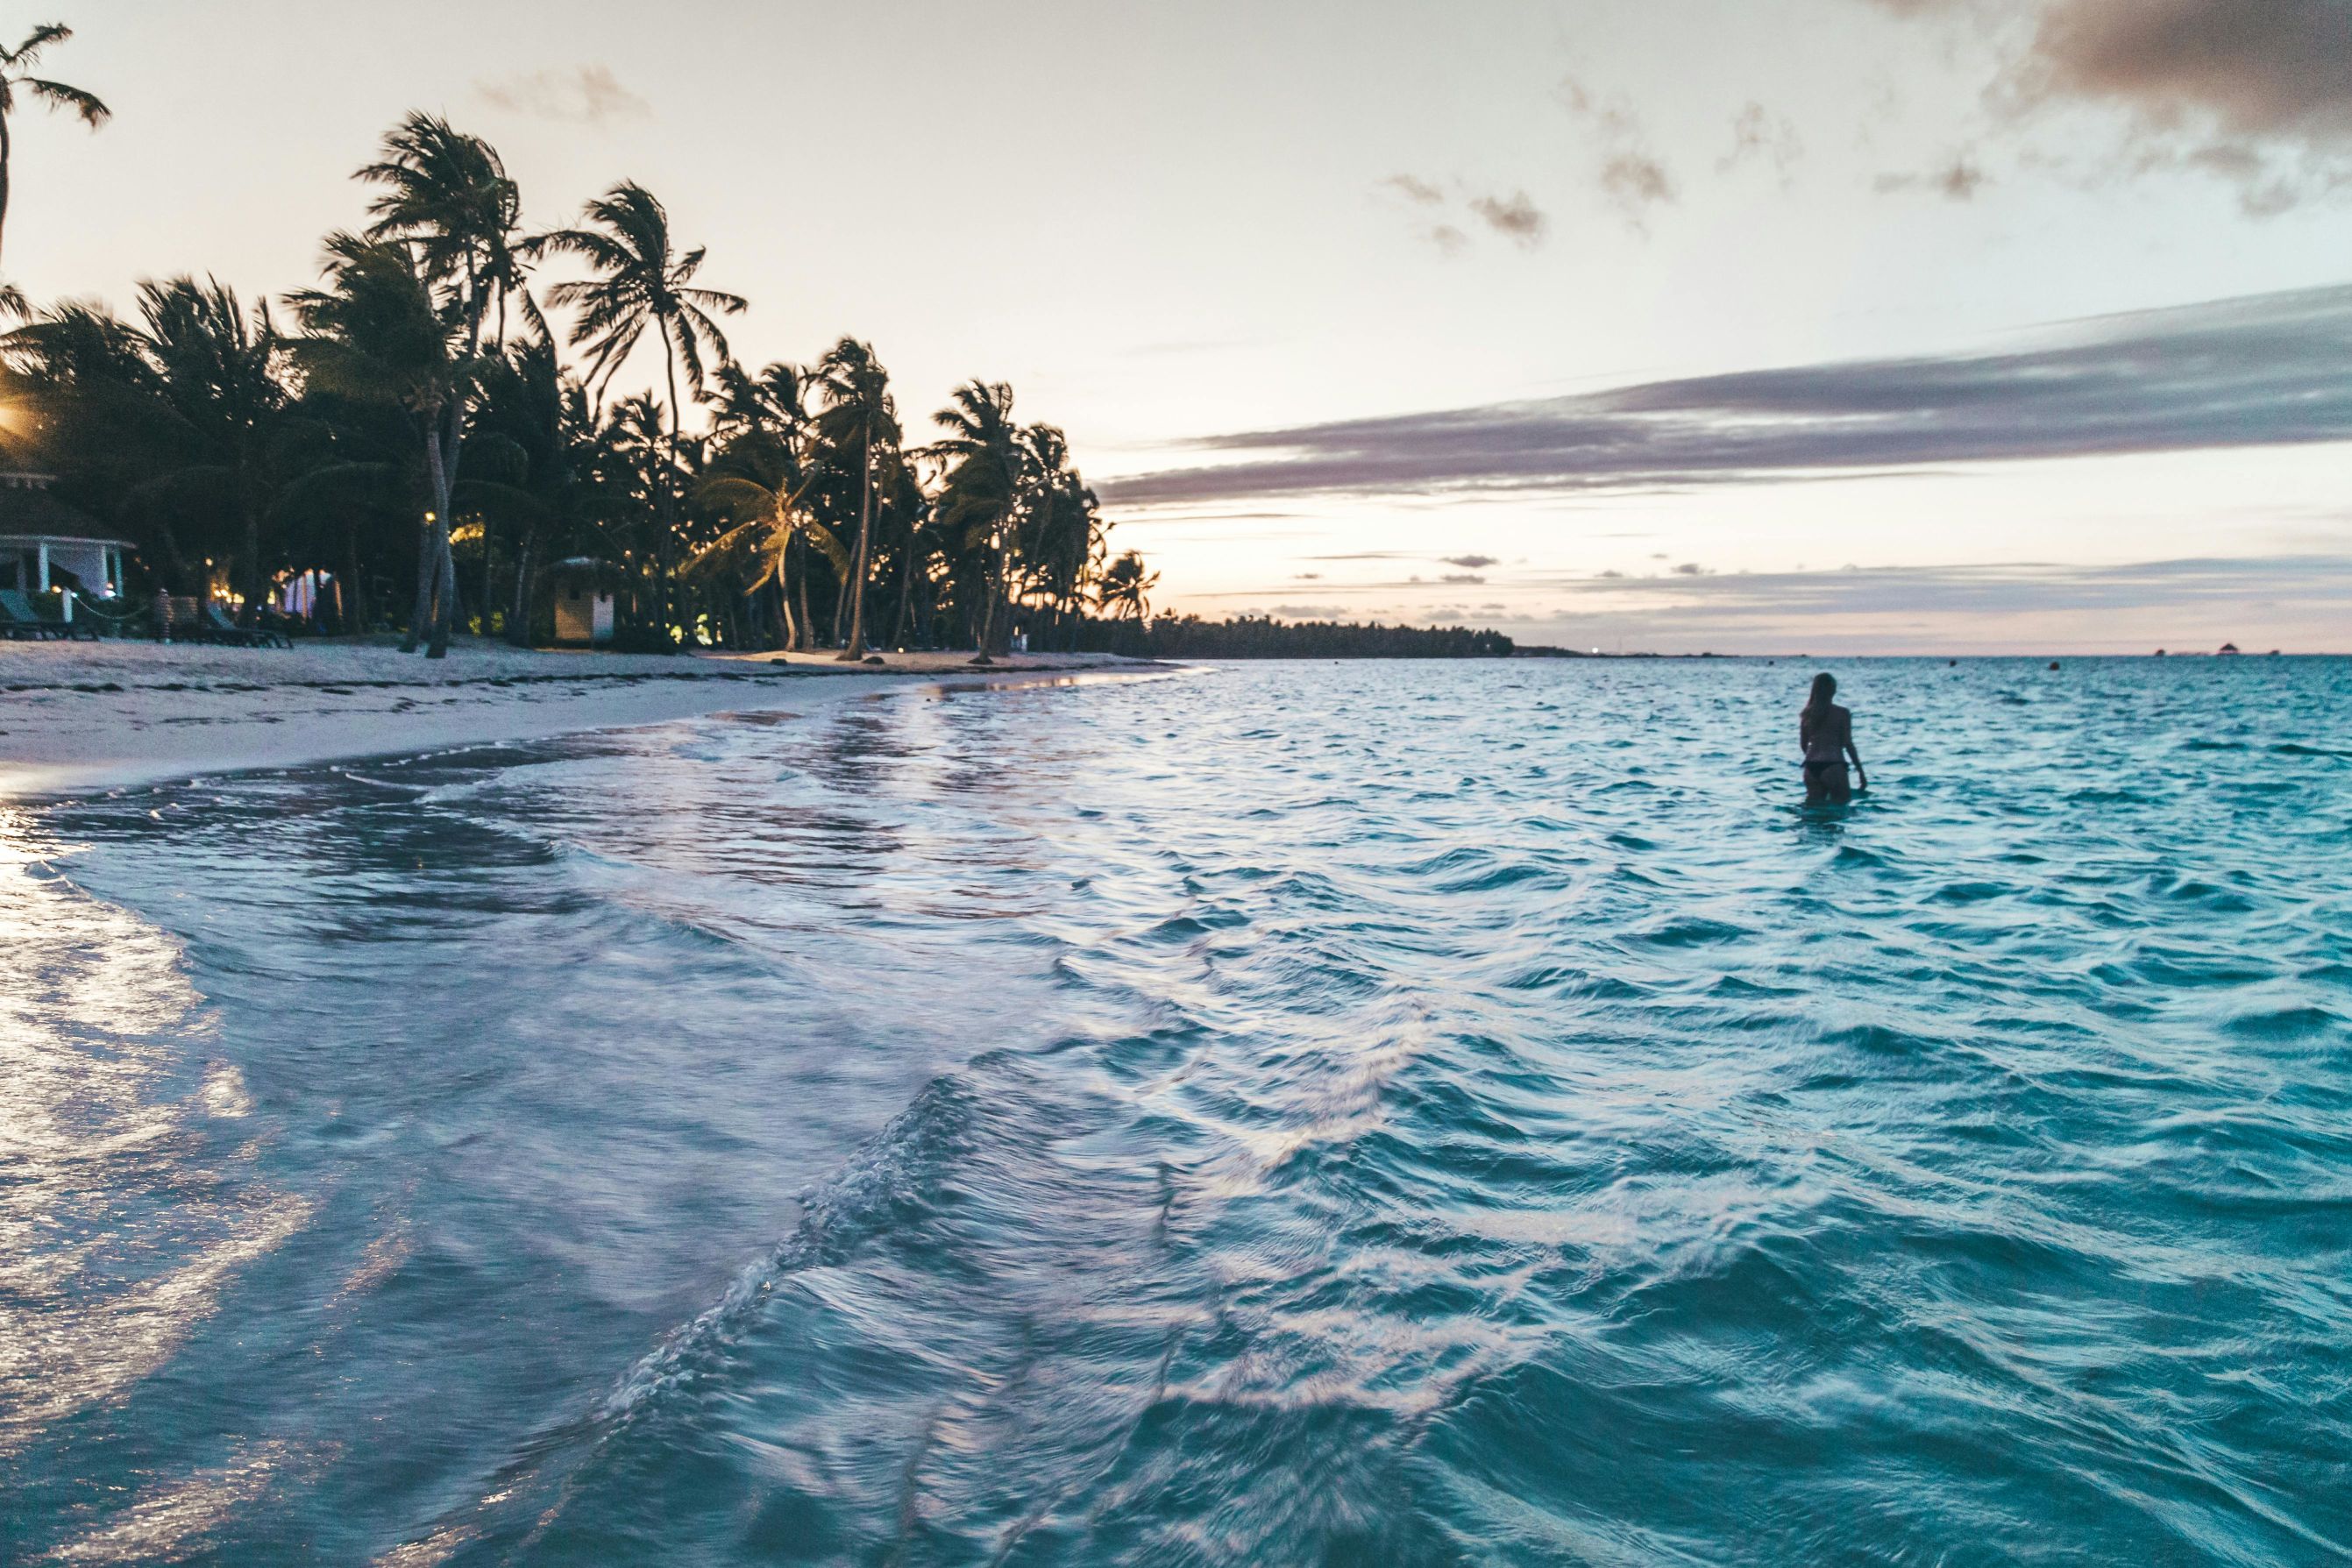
23 56
57 95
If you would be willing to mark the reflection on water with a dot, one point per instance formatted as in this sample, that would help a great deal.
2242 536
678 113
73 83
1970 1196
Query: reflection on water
1352 1114
125 1205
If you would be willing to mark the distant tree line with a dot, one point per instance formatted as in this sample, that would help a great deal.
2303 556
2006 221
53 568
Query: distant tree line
416 427
1259 637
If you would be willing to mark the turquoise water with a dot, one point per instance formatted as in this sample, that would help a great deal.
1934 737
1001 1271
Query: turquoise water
1366 1114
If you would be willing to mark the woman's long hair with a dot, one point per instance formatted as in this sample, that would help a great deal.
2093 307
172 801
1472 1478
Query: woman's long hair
1824 688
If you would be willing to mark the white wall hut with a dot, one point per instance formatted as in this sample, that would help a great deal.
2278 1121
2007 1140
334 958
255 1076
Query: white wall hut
584 600
42 541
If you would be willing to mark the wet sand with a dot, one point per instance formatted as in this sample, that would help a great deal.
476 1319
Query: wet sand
76 716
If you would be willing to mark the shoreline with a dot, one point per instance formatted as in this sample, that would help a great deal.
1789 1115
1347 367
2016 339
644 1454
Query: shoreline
80 718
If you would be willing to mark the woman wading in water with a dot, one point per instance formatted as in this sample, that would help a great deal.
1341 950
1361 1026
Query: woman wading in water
1826 732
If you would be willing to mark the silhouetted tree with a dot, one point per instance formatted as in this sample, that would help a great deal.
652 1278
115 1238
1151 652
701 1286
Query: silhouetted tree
17 77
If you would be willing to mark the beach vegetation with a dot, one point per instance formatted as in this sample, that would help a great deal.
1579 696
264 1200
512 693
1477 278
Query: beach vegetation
448 412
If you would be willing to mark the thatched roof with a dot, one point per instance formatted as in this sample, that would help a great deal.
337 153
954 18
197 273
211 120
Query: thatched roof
28 512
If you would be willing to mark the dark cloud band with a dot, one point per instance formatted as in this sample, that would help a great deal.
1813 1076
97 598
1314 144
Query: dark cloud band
2263 371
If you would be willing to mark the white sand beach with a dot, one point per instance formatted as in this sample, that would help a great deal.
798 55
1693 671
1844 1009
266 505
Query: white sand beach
76 717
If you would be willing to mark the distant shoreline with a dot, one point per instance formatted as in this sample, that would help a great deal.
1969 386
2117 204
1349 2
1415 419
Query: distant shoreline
1547 652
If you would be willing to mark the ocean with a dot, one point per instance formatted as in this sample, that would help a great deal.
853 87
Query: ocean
1365 1113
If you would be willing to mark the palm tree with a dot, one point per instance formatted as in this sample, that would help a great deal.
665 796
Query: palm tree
859 412
449 195
1125 585
375 334
178 422
980 501
445 195
1064 542
526 462
640 281
755 490
15 71
218 374
763 424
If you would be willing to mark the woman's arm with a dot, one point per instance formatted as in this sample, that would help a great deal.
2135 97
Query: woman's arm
1852 750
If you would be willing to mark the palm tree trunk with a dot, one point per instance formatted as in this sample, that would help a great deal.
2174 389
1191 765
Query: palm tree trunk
441 452
854 649
518 618
807 644
4 171
427 563
444 593
251 609
666 558
906 593
1000 610
353 589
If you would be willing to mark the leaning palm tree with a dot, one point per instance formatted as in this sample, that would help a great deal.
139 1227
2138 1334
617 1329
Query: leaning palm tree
640 281
15 72
768 519
375 334
860 415
762 425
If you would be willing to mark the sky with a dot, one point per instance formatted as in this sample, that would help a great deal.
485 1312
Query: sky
1677 325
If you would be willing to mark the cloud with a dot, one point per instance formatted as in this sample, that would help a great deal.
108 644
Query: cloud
1630 173
2256 92
1692 568
1958 181
1414 188
2258 68
2259 602
1471 562
1462 576
1636 181
1758 135
2261 372
1513 216
2017 588
583 95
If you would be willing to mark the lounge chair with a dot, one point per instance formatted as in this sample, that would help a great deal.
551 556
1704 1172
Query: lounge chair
217 627
18 619
18 623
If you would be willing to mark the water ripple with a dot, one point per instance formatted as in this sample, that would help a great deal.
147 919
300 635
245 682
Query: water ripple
1387 1114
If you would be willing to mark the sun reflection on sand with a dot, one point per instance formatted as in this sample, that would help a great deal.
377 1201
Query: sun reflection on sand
105 1091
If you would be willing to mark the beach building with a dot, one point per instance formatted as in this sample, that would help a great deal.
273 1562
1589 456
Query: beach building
46 543
584 600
